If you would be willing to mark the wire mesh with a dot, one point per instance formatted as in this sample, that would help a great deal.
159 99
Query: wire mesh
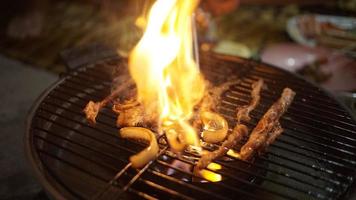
314 158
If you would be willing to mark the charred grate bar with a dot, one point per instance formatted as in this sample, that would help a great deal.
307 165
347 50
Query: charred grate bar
313 159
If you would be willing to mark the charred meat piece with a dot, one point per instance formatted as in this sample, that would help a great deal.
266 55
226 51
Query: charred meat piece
276 131
210 101
119 107
239 132
267 128
92 109
131 117
244 112
132 113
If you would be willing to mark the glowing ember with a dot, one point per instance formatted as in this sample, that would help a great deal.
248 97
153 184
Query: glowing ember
163 68
214 166
210 176
233 153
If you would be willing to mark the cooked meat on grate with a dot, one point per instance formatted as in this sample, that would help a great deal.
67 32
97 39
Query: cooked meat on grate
237 134
239 131
92 109
208 105
276 131
243 114
268 128
132 113
133 116
119 107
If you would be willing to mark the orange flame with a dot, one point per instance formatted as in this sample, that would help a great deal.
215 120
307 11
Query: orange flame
163 67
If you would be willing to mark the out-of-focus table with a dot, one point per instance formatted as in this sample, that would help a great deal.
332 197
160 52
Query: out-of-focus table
74 23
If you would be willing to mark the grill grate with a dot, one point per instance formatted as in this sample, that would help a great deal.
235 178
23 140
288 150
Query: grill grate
313 159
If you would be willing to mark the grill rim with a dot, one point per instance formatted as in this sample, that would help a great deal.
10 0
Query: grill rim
32 154
58 191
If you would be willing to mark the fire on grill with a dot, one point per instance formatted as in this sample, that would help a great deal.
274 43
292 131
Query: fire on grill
171 96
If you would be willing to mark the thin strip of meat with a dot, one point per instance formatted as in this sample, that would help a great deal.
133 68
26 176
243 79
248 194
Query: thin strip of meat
276 131
211 100
244 112
213 95
237 134
260 135
92 109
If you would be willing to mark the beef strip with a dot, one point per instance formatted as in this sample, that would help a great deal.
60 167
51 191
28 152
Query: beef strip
267 128
243 114
92 109
239 132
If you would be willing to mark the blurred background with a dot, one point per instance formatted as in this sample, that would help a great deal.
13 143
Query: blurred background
313 38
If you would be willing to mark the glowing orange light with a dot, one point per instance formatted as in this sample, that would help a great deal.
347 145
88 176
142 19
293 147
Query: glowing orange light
214 166
210 176
233 153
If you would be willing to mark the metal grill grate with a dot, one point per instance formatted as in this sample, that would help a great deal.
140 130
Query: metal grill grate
313 159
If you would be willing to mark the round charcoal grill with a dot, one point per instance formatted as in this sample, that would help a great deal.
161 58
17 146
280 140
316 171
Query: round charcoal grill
314 158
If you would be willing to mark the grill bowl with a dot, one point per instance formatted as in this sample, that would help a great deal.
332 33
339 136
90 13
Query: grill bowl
314 158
